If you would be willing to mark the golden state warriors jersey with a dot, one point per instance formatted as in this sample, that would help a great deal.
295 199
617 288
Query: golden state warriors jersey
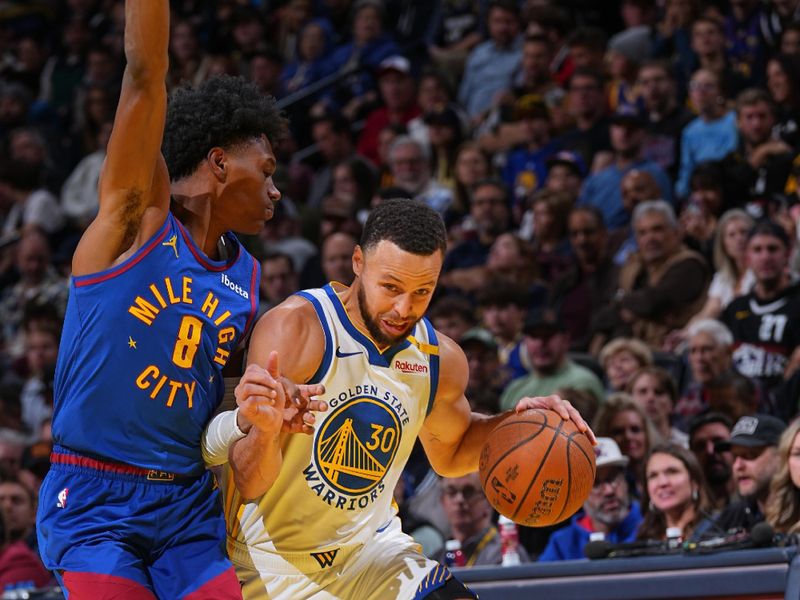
335 487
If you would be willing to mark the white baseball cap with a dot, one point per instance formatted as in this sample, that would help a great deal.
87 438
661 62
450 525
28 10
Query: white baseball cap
607 454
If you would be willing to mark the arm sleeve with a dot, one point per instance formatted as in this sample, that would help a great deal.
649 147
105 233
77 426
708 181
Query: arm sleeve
218 437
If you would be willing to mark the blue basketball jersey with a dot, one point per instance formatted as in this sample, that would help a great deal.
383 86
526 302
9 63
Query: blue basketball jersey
139 371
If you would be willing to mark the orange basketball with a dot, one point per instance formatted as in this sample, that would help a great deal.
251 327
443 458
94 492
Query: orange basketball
536 468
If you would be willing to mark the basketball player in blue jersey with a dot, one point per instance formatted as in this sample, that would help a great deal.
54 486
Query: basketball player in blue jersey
161 297
312 516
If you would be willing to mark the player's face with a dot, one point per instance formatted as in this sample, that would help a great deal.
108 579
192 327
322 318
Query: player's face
249 194
395 289
668 483
767 257
753 469
794 461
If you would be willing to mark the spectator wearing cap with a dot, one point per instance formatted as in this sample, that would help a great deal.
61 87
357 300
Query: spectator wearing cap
486 377
368 47
764 324
712 134
592 280
491 65
706 433
546 340
409 162
602 189
754 445
399 104
609 509
757 171
665 116
565 173
526 164
660 286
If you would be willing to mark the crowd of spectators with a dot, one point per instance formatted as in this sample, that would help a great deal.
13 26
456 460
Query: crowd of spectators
619 182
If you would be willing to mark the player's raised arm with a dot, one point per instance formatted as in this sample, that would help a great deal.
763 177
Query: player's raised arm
134 177
291 329
452 434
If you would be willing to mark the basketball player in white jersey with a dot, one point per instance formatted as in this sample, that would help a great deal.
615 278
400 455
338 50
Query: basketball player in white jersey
311 516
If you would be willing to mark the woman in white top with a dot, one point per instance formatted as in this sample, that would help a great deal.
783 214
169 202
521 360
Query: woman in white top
732 277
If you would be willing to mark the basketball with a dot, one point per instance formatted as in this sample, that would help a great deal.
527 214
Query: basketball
536 468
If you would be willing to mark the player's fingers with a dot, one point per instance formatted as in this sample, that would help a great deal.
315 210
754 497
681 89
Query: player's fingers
272 364
318 405
310 390
560 406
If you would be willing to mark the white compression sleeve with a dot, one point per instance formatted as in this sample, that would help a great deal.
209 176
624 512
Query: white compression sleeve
221 432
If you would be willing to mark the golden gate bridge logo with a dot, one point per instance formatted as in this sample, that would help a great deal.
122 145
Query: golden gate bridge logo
357 444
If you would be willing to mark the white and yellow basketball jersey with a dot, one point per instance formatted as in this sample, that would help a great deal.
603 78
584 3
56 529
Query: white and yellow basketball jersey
335 487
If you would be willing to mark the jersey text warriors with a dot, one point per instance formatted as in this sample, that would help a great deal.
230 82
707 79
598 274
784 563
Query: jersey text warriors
335 488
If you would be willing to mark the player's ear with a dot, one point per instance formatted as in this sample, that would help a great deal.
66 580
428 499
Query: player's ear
358 260
217 162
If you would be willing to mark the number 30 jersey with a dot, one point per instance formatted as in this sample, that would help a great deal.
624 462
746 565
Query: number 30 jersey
139 371
335 487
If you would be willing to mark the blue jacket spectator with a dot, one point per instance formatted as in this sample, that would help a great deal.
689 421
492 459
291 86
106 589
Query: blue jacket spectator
311 63
491 65
602 189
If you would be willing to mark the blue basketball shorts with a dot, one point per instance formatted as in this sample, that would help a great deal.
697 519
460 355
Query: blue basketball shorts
164 532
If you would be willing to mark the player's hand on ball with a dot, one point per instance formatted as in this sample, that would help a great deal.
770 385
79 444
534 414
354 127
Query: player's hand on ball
563 407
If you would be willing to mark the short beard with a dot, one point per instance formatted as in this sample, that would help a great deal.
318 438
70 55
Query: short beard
373 328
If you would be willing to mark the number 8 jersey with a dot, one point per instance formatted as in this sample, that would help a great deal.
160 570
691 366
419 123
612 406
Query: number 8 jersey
139 371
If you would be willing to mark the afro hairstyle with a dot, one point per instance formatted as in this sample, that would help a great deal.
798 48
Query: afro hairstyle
222 112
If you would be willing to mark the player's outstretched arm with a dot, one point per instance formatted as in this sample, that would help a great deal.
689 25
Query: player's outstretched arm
293 332
134 184
453 435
